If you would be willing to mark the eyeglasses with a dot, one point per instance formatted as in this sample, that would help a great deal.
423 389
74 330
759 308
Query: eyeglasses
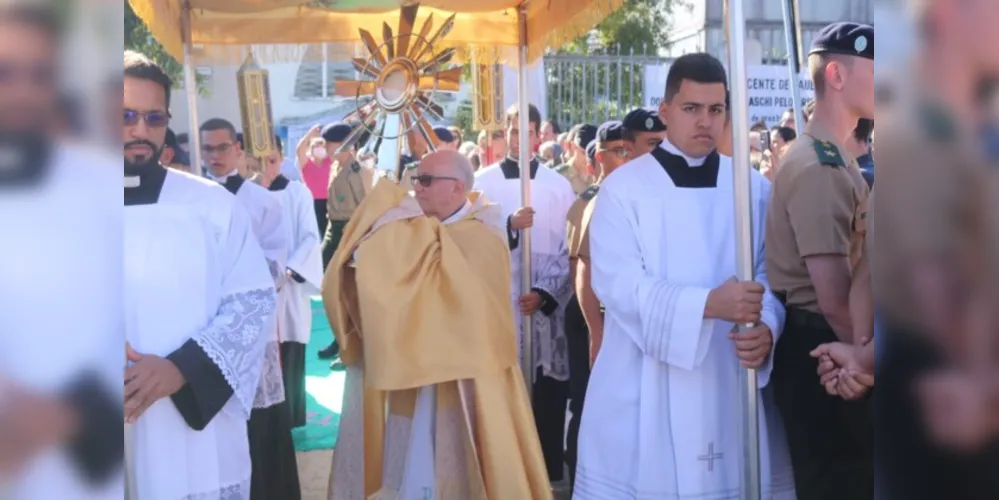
620 151
153 119
209 150
426 180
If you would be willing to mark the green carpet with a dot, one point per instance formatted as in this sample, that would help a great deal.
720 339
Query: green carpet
323 388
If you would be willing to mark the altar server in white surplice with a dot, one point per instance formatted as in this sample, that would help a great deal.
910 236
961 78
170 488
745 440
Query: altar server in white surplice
198 302
663 408
545 302
305 276
271 447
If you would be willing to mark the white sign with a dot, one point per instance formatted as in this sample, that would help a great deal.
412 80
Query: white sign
769 91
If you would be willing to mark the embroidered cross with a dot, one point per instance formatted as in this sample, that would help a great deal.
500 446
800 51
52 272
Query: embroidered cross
711 457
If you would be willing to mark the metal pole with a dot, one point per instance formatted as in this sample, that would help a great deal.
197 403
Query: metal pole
191 87
792 63
527 360
751 480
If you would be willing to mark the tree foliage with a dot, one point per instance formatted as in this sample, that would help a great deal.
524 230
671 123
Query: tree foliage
139 39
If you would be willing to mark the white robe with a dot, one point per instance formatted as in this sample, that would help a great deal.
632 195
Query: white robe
304 258
663 408
268 223
193 269
61 301
551 198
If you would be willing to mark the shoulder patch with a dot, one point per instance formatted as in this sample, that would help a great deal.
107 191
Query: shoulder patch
355 167
589 193
828 154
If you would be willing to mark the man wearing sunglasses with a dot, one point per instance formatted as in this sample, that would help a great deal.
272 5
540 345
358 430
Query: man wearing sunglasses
199 303
444 247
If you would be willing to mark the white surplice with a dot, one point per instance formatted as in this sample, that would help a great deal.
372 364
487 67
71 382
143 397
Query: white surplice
60 302
551 198
663 408
268 223
193 269
304 258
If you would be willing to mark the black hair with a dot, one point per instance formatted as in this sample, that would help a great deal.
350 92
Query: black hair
864 130
556 129
182 138
140 67
220 124
699 67
533 115
787 134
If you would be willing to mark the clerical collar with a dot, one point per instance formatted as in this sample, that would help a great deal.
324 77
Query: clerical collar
279 183
231 181
511 168
458 215
144 183
688 172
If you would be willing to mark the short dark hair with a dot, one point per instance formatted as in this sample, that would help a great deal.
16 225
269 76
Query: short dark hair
141 67
220 124
182 138
864 130
699 67
533 115
555 128
40 16
787 134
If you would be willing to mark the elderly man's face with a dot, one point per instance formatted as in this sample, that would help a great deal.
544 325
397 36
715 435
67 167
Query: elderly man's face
438 184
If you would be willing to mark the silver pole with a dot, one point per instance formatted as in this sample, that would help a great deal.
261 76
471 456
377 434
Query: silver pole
751 480
131 491
792 63
191 88
527 360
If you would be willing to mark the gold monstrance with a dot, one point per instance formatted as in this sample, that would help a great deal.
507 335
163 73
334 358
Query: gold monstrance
255 110
406 72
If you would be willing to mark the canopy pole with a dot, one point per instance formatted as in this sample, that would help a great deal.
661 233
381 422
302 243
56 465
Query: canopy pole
527 339
751 480
793 60
191 89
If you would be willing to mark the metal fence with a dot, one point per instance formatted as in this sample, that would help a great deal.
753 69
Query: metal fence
594 88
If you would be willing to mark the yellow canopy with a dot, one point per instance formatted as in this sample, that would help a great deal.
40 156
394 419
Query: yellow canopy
478 23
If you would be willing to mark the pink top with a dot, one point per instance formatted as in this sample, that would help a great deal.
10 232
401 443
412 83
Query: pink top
317 177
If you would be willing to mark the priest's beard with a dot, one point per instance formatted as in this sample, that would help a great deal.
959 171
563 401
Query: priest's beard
140 164
24 156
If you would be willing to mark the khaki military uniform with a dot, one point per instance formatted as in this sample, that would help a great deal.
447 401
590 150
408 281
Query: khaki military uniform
935 204
347 187
577 223
818 207
578 181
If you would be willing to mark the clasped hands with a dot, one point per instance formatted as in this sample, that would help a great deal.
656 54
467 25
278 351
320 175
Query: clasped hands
741 302
840 370
149 379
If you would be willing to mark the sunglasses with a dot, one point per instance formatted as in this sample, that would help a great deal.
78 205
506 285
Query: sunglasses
426 180
153 119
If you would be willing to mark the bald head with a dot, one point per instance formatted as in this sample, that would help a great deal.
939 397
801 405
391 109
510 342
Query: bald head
450 163
442 183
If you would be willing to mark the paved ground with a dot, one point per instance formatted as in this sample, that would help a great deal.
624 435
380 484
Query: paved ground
314 473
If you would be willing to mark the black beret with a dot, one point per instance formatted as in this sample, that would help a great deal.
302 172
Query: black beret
849 39
591 150
336 132
643 120
585 134
443 134
610 131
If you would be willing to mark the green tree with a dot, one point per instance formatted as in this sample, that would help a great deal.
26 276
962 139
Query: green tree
139 39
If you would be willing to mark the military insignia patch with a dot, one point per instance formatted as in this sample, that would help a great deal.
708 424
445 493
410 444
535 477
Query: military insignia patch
355 167
828 154
649 123
340 198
